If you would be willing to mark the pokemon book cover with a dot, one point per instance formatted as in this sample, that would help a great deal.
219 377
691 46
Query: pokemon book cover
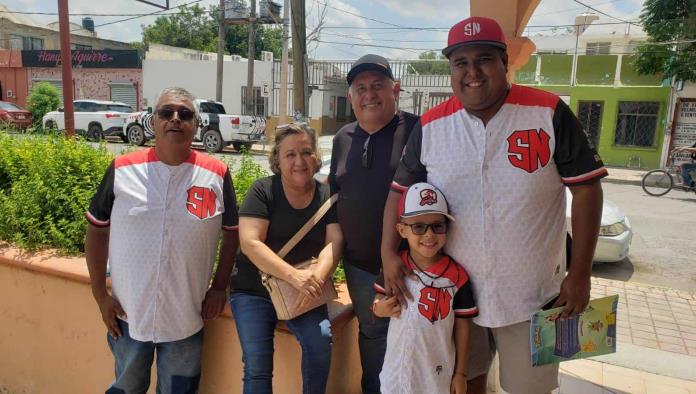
591 333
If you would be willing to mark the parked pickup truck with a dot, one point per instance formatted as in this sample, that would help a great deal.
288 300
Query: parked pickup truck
93 118
139 128
218 129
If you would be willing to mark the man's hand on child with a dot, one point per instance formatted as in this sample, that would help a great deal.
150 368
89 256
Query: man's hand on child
387 307
458 385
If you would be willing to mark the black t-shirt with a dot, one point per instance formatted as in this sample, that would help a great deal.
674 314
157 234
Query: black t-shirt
362 168
266 200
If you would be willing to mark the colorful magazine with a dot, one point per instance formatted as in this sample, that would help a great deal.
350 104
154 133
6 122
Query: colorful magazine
591 333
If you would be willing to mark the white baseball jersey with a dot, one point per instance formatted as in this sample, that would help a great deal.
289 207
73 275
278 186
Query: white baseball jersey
164 227
505 185
420 355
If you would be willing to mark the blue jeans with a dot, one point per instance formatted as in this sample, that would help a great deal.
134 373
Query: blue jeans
256 321
178 364
687 168
372 336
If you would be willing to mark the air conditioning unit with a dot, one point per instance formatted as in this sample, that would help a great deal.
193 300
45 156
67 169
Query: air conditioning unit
236 58
266 56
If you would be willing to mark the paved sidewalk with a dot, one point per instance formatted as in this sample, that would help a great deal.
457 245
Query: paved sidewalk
624 175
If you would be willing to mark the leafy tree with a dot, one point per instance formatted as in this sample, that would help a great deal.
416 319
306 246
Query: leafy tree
671 46
197 28
433 64
42 99
191 27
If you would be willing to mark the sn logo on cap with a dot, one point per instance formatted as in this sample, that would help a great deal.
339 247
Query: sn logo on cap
472 29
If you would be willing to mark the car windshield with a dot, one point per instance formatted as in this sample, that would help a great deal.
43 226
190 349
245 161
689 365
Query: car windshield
119 108
212 108
9 107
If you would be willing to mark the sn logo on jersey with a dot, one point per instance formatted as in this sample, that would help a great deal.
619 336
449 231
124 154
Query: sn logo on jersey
201 202
434 304
529 149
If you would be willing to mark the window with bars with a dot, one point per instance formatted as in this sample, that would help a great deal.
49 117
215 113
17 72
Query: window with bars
590 116
598 48
260 104
636 123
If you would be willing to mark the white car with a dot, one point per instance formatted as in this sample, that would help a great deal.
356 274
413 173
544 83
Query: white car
138 128
615 231
93 118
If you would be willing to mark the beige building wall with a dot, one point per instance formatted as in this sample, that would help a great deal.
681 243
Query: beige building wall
51 38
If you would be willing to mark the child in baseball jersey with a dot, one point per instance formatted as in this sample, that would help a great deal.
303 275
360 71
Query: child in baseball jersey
427 343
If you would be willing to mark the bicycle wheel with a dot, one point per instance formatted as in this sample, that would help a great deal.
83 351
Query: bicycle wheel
657 182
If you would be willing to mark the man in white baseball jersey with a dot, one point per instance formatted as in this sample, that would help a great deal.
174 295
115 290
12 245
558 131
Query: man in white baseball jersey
503 154
157 217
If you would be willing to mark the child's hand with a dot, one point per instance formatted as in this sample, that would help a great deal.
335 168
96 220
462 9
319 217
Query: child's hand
458 385
387 307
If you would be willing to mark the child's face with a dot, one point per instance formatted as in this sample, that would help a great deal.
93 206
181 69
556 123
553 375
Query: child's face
428 244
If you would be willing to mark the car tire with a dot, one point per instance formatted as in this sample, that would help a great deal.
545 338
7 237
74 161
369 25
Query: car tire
50 125
238 146
94 132
212 141
136 135
657 182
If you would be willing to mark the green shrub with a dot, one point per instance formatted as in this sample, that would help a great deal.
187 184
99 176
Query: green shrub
46 183
42 99
244 176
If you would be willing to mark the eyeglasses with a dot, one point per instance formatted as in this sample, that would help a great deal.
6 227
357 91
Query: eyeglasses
366 156
422 228
184 114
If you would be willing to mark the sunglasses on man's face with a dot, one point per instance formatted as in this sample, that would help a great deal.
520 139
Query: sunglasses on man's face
422 228
184 114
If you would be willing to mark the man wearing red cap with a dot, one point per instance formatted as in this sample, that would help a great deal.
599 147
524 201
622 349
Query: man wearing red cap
503 154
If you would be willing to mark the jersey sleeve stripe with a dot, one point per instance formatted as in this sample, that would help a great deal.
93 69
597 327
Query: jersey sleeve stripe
466 312
598 173
379 289
96 222
230 228
442 110
531 97
398 188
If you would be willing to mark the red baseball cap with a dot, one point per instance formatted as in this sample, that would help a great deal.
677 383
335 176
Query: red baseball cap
475 30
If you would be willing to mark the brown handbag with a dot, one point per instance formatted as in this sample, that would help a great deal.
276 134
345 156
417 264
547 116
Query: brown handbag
283 295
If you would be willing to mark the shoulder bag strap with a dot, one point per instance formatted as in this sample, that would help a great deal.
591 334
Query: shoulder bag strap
307 226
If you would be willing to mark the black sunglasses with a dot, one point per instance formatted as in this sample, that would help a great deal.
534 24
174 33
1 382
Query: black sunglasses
184 114
422 228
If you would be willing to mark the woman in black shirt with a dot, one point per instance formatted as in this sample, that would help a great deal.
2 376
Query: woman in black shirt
273 210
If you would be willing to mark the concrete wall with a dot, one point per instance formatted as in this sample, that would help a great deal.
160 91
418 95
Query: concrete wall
199 77
52 339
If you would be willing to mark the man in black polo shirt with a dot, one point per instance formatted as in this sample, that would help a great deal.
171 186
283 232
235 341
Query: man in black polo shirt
365 156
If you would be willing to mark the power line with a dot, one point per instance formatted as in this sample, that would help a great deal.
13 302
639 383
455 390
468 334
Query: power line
603 13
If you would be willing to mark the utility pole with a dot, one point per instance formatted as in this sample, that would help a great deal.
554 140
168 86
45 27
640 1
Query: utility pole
220 51
283 101
299 50
66 65
251 108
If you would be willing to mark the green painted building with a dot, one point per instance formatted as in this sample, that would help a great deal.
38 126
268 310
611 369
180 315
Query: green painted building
623 113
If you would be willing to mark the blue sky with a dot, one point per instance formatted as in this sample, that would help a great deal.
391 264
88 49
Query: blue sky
347 31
